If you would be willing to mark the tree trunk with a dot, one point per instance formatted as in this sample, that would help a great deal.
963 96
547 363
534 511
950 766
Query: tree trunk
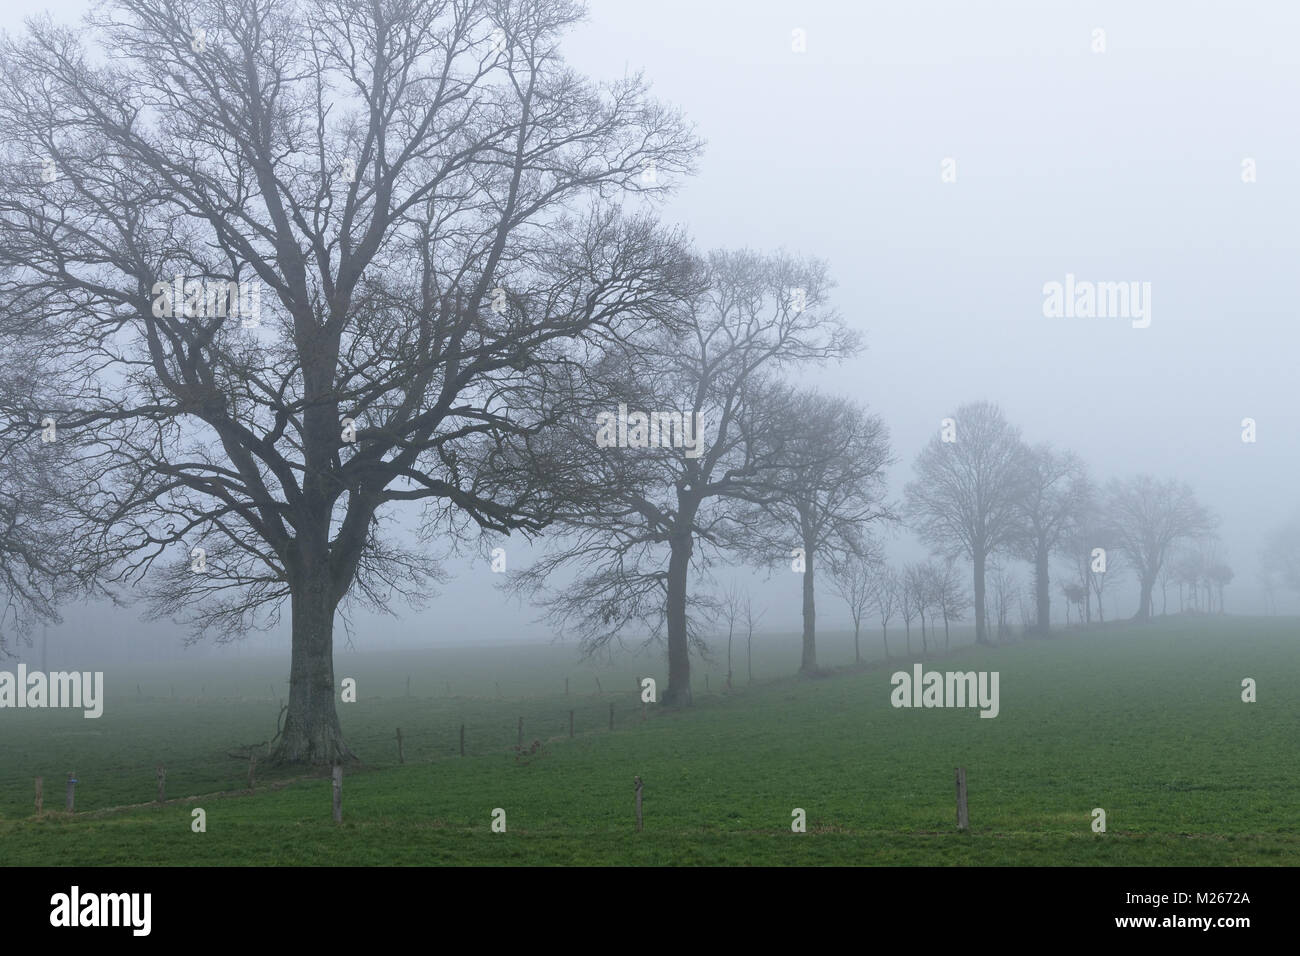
884 637
809 663
981 625
1042 585
857 653
678 692
311 725
1144 607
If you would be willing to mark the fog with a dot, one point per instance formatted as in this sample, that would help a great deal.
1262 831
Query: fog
1116 166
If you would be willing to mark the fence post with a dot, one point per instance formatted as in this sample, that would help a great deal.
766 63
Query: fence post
338 793
40 795
162 784
400 756
963 817
637 782
72 787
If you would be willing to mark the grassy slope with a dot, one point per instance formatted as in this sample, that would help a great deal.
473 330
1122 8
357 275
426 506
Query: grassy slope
1144 722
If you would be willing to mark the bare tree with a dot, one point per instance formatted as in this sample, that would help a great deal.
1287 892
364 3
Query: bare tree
420 190
908 603
1279 559
34 536
1005 590
731 606
951 596
923 586
1055 497
1074 594
857 581
1220 575
887 595
824 499
751 621
1148 517
670 509
964 499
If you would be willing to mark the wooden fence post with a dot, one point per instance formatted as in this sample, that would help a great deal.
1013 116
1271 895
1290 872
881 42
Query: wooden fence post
637 782
611 715
401 758
72 787
462 740
963 817
40 795
162 784
338 793
570 723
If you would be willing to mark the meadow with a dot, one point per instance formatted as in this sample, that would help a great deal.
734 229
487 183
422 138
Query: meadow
1145 722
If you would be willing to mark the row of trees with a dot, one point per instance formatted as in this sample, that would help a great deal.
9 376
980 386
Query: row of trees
462 274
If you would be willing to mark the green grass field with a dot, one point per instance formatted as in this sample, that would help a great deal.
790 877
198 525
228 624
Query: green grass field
1144 722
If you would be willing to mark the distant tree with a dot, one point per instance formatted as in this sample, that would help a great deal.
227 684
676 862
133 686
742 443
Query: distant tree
1005 590
1220 575
951 596
1074 594
1148 518
887 596
824 499
856 580
922 580
964 500
1054 499
908 603
1164 579
667 511
731 607
751 621
1280 557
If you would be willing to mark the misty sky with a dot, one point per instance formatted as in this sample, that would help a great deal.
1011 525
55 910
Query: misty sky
1116 166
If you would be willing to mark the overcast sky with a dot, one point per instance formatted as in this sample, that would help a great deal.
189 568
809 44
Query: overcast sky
1124 165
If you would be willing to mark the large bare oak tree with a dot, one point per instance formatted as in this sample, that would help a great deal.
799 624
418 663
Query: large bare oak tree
422 193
